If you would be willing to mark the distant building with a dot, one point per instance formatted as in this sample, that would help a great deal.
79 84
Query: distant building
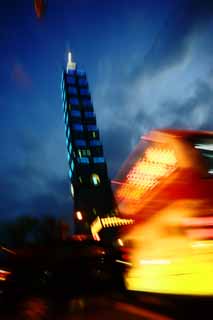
89 181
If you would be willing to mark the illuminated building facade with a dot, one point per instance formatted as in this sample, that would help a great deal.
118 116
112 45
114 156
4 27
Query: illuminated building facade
146 169
90 185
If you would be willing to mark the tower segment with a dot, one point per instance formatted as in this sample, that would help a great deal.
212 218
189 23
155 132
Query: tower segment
89 182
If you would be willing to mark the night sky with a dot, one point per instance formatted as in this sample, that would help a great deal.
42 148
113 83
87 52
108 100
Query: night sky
149 64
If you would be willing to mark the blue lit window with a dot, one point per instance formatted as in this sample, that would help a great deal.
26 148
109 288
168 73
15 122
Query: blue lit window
89 114
68 156
91 127
77 127
71 80
82 82
81 73
84 92
83 160
70 173
80 143
94 143
71 71
67 141
75 113
72 165
98 160
74 101
72 90
87 102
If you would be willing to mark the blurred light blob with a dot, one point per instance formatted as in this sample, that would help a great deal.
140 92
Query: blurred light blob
208 147
40 7
79 215
155 261
120 242
166 186
201 233
99 223
147 171
34 309
198 221
202 244
123 262
96 237
7 250
4 274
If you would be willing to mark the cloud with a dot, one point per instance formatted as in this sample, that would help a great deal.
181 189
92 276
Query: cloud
173 41
170 87
28 186
195 112
19 196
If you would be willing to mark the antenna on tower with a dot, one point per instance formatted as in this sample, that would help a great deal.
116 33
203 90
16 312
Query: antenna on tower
70 64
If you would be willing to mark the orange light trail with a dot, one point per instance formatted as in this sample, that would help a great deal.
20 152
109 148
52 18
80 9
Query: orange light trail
146 173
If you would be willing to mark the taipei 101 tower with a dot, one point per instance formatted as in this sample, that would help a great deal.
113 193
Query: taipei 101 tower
89 182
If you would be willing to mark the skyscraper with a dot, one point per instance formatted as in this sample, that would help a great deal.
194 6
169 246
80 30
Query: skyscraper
89 182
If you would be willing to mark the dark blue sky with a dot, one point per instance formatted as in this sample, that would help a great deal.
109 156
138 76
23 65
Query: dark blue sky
149 64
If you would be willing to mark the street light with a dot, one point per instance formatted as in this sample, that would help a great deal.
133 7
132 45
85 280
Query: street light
79 215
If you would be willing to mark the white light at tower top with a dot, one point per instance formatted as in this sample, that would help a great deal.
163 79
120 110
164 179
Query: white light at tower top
70 64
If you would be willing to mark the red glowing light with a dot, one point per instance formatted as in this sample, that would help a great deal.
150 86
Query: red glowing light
4 274
96 237
198 221
40 7
200 233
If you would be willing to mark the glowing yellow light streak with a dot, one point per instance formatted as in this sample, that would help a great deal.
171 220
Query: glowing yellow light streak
155 261
96 226
107 222
123 262
120 242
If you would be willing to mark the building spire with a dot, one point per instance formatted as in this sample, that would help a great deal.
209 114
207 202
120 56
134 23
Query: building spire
70 64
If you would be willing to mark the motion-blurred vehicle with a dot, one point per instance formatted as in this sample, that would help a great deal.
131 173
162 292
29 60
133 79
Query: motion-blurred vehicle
166 186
